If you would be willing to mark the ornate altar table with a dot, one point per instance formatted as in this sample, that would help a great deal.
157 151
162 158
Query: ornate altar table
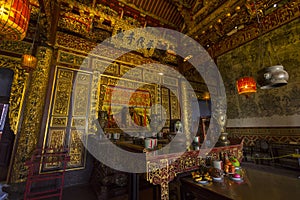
161 169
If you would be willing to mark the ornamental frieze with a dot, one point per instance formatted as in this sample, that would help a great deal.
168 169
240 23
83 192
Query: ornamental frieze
21 47
80 45
270 22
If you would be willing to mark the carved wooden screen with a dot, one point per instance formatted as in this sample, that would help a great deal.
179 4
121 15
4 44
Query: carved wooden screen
68 119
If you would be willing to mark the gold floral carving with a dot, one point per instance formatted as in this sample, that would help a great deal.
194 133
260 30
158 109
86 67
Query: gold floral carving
33 112
62 93
165 91
78 122
74 43
76 149
97 94
56 138
81 99
72 59
56 141
162 170
15 47
59 121
75 22
175 110
17 90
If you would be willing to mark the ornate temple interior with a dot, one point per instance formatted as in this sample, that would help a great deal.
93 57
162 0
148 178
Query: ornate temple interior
137 99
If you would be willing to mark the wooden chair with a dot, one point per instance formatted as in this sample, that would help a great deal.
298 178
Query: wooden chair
46 166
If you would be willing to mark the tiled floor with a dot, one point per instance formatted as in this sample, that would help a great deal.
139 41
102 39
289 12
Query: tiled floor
79 192
82 192
85 192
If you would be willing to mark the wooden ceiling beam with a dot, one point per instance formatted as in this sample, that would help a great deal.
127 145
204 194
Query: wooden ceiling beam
212 17
51 9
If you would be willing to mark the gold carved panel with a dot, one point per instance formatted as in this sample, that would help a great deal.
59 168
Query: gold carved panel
16 47
63 92
165 91
33 112
72 91
107 67
76 148
81 99
79 122
175 109
56 141
59 121
96 95
130 73
56 138
166 106
72 59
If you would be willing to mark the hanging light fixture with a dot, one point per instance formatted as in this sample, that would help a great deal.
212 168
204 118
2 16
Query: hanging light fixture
14 19
246 85
28 61
274 76
206 96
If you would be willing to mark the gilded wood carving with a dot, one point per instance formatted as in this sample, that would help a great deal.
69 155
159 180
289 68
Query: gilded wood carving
33 112
17 91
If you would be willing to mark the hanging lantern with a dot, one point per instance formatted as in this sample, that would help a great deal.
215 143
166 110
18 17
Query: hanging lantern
272 77
14 19
246 85
28 62
206 96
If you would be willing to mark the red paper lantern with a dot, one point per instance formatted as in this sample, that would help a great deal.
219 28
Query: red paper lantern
246 85
14 19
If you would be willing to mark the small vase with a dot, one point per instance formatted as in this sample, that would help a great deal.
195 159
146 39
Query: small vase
223 140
